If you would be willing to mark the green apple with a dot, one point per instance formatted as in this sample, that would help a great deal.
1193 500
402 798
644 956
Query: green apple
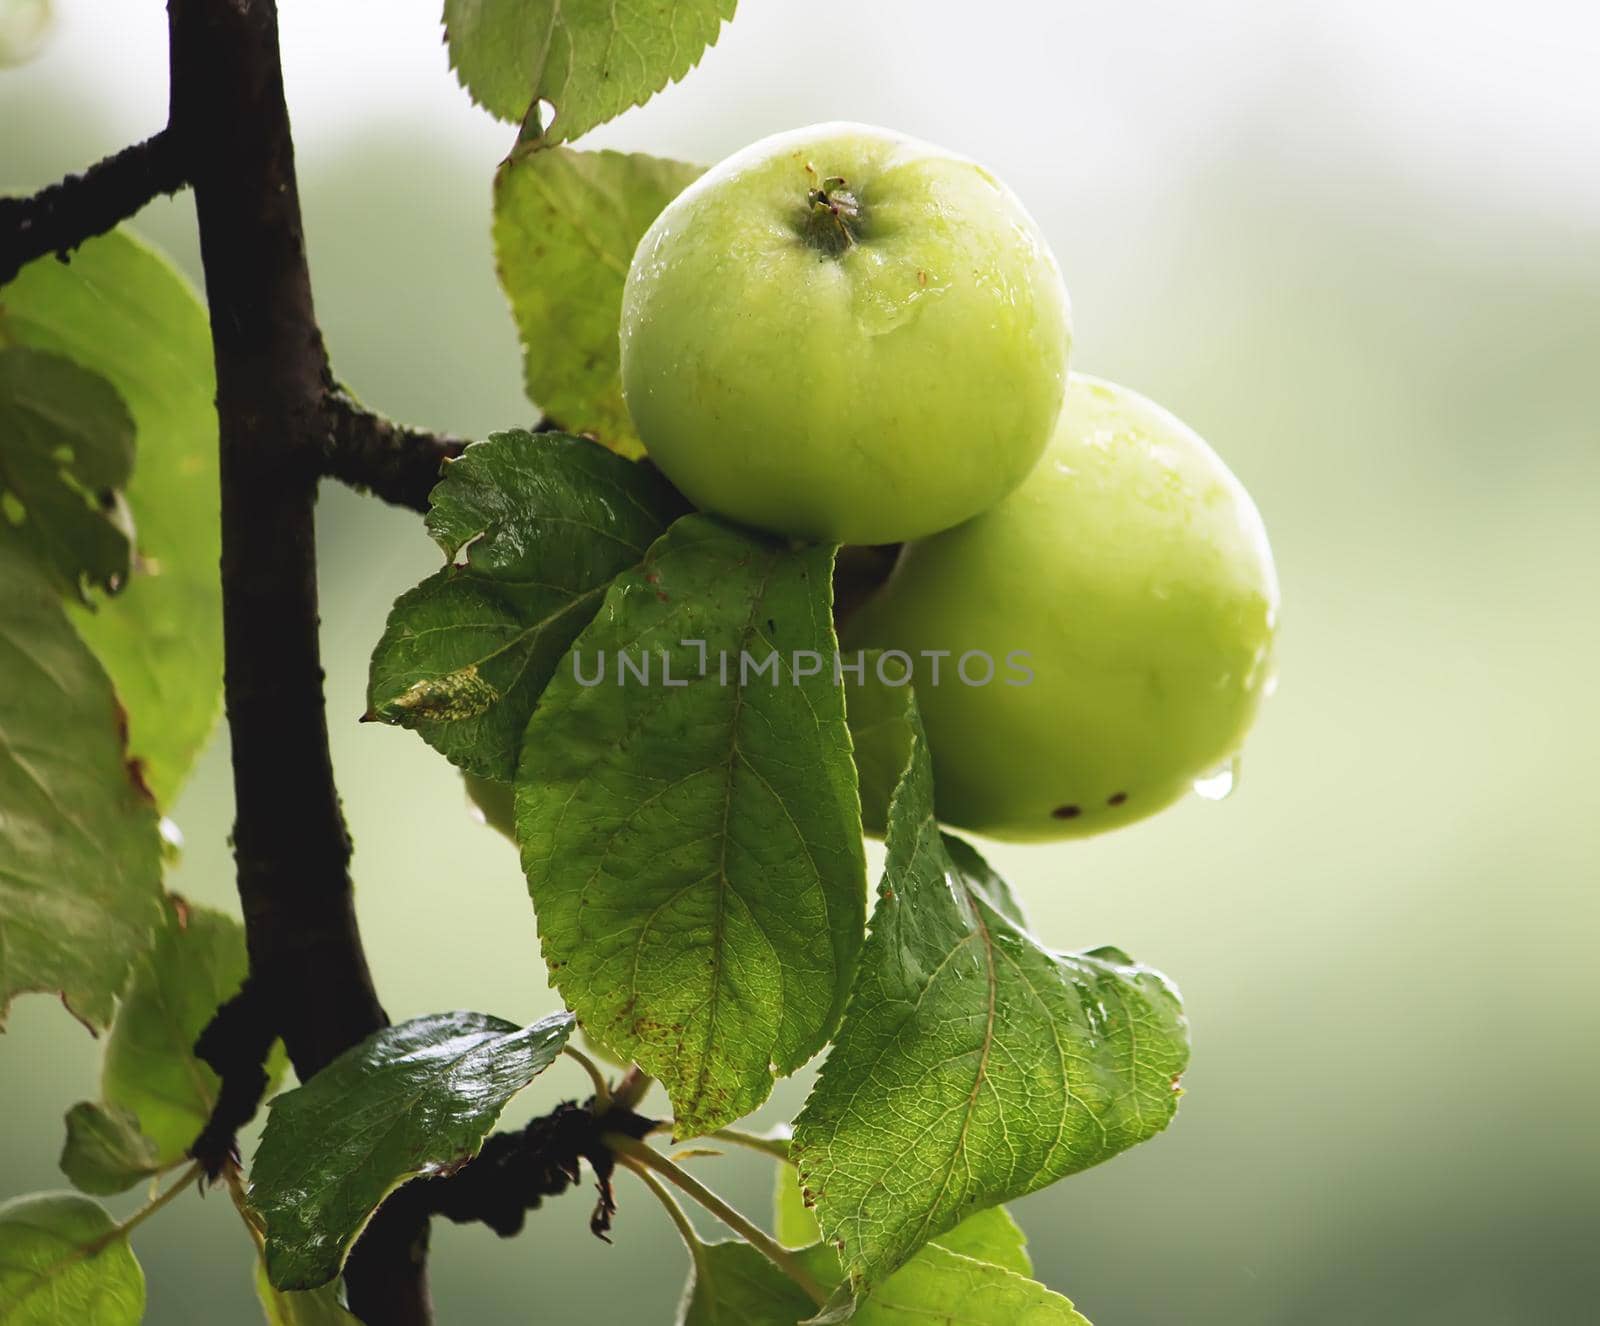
1102 638
846 335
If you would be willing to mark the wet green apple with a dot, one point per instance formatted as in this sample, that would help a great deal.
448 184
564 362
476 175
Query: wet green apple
844 334
1090 648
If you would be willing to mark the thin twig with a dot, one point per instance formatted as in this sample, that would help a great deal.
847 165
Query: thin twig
59 218
401 465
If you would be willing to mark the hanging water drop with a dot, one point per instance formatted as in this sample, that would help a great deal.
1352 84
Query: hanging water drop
1219 784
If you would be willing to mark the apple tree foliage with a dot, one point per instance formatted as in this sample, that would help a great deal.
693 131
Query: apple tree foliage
693 852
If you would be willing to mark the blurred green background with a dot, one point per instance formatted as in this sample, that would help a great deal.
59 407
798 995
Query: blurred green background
1358 247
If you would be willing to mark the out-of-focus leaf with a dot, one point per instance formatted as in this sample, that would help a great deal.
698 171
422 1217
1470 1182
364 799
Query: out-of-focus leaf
312 1307
974 1065
693 848
589 60
80 858
62 1261
989 1235
150 1071
410 1100
66 449
566 224
734 1285
105 1152
120 310
546 521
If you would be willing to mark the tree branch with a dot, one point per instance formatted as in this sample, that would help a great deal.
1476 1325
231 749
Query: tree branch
515 1171
290 844
59 218
368 452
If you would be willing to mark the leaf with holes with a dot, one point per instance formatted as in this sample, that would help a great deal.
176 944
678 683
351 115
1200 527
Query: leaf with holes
410 1100
66 450
590 59
80 856
150 1072
733 1283
974 1065
689 825
566 224
119 309
546 521
63 1260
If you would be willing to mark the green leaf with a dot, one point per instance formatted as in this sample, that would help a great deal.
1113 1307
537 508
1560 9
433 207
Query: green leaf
315 1307
120 310
989 1235
734 1285
62 1260
410 1100
80 857
546 520
591 59
973 1065
66 448
566 224
880 735
105 1152
693 849
150 1071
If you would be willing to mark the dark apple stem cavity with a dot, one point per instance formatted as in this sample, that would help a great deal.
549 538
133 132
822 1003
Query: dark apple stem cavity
833 214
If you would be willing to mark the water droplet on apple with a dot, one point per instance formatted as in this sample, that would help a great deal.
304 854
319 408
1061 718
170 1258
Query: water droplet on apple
1219 784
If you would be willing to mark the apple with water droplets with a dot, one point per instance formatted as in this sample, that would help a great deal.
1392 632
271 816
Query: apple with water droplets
846 335
1126 598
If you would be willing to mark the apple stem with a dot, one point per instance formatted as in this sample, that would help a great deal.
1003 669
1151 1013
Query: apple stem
832 215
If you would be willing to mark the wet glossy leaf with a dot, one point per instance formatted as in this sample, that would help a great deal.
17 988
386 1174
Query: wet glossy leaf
80 862
989 1235
591 59
734 1285
62 1261
66 450
410 1100
973 1065
105 1152
693 848
566 224
150 1071
546 521
120 310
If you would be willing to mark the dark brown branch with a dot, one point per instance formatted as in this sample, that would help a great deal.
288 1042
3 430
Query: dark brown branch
59 218
368 452
235 1043
290 844
516 1171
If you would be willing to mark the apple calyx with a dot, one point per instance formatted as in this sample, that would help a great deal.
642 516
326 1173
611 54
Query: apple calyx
832 213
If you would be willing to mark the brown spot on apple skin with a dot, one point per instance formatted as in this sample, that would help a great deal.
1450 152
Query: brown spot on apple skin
1066 813
1116 798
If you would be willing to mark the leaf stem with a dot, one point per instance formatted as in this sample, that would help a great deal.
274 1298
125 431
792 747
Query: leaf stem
740 1224
680 1218
602 1088
121 1231
770 1146
632 1087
